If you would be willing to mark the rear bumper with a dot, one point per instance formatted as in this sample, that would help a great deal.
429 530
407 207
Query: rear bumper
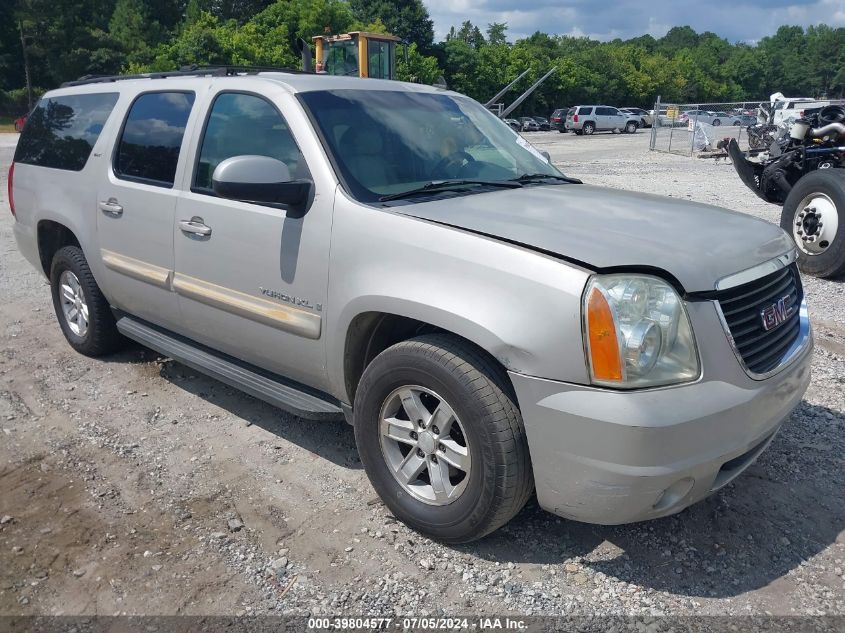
611 457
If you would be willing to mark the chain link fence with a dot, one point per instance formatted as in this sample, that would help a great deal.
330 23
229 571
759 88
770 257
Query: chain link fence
690 128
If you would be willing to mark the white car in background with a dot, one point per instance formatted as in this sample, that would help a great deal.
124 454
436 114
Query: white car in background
646 118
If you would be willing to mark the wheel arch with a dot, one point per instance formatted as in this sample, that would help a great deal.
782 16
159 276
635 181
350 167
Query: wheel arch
370 332
52 236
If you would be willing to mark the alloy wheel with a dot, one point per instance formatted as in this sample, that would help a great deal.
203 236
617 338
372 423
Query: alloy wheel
74 305
424 445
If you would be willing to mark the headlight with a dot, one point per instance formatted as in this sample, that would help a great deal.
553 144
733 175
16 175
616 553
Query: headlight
637 332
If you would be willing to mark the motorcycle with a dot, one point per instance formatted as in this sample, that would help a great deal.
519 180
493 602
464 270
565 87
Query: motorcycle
802 170
762 133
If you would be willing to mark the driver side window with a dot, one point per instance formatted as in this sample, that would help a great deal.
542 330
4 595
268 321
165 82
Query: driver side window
240 124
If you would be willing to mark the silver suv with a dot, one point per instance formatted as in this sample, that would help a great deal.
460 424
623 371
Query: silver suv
396 255
598 118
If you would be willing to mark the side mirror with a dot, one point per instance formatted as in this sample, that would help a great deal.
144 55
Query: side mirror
259 179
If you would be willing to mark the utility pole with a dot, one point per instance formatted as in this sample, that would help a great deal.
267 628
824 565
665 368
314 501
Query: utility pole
26 68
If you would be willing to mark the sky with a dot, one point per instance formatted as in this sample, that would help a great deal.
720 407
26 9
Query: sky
736 20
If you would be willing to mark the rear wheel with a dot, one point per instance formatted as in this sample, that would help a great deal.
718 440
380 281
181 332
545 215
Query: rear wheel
441 438
83 312
589 128
814 214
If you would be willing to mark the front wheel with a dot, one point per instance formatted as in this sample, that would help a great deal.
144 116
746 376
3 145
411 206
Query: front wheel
814 214
441 438
631 127
717 122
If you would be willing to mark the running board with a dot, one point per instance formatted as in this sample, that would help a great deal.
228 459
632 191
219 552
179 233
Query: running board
284 394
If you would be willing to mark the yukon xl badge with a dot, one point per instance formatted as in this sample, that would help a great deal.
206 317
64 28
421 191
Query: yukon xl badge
778 313
281 296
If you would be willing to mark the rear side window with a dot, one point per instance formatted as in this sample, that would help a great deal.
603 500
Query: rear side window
149 144
61 131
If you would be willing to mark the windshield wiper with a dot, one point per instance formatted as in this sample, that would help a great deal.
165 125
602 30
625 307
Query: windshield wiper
450 185
528 178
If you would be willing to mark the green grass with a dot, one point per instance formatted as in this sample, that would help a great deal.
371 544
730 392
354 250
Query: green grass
7 124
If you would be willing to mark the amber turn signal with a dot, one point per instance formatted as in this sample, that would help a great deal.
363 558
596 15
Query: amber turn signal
605 360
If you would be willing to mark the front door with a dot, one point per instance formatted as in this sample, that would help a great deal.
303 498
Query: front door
136 203
252 280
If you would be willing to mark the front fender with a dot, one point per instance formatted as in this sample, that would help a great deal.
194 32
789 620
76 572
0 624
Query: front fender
521 306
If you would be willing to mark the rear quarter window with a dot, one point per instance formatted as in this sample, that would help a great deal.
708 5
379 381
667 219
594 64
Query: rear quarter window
61 131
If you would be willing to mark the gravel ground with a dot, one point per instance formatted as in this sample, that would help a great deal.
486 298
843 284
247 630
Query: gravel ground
133 485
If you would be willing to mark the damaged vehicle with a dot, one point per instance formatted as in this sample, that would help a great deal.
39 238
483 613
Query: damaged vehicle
395 255
802 170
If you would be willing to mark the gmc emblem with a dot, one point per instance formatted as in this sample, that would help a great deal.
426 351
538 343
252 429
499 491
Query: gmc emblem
776 314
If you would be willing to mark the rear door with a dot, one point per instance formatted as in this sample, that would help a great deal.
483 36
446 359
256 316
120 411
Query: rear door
136 202
254 284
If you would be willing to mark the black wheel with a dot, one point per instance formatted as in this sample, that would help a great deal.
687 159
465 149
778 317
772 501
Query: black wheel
814 215
589 128
631 127
717 122
441 438
83 312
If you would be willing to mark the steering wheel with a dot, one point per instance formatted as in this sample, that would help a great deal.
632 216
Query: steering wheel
460 158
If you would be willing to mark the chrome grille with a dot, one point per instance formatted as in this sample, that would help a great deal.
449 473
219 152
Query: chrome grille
763 350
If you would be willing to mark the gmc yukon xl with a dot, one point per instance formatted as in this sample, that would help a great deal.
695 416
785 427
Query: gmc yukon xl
395 255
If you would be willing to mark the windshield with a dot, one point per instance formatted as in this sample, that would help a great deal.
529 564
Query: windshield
388 142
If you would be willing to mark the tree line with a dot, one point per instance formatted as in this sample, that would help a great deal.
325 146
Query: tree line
66 39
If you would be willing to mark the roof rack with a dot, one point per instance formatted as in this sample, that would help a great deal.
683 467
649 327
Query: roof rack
185 71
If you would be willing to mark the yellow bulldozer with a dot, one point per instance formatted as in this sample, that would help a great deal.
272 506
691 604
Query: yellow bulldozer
356 54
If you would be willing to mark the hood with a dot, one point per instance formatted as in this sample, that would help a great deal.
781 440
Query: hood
604 229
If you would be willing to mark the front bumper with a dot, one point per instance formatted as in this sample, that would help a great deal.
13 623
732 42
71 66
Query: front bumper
611 457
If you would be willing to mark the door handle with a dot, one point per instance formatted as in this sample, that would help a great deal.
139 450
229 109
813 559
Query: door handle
111 207
196 226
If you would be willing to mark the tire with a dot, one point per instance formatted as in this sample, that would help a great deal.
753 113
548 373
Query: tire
716 123
499 480
100 335
822 192
579 132
588 128
643 124
631 127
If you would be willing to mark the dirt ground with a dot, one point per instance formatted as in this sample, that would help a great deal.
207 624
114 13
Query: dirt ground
133 485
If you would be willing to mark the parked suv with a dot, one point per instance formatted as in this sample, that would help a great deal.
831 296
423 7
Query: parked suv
487 324
558 119
590 119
